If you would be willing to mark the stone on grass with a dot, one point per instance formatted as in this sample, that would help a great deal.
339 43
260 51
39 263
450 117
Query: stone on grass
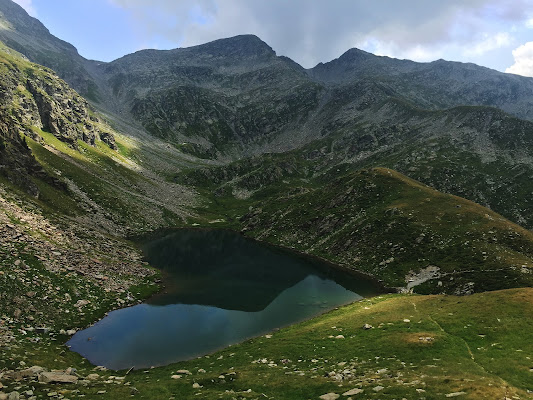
175 377
367 326
57 377
455 394
378 388
330 396
196 385
353 392
183 372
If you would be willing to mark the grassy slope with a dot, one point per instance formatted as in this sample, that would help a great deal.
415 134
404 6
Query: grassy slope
381 222
478 345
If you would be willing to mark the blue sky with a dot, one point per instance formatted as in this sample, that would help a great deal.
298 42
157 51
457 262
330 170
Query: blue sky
494 33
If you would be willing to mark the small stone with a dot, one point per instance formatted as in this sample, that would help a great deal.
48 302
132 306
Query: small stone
183 372
175 377
81 303
71 332
378 388
92 377
196 385
339 337
201 371
3 396
13 396
455 394
52 394
330 396
406 320
367 326
101 392
353 392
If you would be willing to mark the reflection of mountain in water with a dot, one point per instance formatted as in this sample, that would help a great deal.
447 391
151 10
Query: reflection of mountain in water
225 270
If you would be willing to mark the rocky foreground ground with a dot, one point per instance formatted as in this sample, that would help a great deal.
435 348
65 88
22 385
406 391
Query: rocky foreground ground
56 277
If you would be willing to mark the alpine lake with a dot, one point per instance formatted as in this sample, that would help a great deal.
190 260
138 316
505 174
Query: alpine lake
219 289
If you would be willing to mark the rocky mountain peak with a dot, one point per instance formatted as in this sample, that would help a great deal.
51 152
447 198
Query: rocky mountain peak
354 55
237 46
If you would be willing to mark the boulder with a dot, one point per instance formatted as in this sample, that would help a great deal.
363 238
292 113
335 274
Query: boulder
32 372
57 377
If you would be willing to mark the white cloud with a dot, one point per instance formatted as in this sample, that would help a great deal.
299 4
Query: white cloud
28 6
489 43
523 57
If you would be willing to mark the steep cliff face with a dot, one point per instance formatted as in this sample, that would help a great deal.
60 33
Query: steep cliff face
33 98
16 162
36 97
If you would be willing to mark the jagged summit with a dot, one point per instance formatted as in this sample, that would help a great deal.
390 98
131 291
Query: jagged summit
234 49
237 46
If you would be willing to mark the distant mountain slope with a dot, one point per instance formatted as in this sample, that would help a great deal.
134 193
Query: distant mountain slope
30 37
435 85
230 93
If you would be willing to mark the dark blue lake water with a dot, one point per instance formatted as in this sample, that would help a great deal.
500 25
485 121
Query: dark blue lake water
220 289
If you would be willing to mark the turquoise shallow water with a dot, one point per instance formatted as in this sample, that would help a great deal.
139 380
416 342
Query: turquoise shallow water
220 289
